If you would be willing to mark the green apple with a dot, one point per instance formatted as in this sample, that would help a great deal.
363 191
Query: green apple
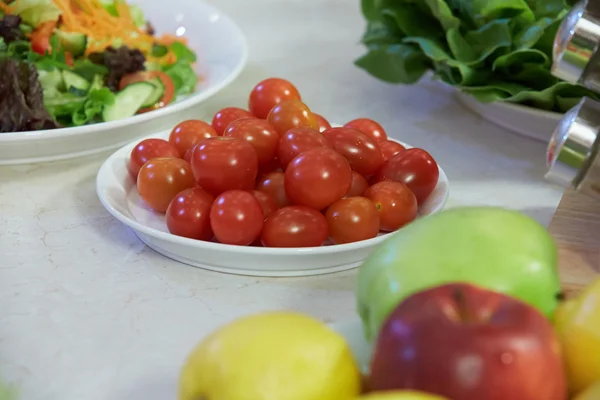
491 247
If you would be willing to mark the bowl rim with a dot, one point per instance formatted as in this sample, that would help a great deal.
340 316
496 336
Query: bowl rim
187 102
103 182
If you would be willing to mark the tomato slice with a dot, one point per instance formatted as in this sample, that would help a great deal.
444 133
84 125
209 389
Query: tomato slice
40 37
143 76
69 59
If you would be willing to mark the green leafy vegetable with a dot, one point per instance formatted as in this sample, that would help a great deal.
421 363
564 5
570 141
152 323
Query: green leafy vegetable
181 72
35 12
495 50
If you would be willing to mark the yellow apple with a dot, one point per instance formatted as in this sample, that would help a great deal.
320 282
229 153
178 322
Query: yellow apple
577 322
591 393
400 395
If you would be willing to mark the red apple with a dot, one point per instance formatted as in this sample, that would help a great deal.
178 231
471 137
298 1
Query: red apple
467 343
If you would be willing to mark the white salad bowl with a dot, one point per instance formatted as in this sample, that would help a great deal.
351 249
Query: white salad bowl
119 195
221 52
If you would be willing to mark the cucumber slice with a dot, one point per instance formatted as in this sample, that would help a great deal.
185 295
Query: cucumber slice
72 42
128 101
72 80
51 79
157 94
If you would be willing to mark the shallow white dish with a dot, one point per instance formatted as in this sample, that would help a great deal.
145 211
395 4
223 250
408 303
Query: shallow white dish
118 194
221 49
526 121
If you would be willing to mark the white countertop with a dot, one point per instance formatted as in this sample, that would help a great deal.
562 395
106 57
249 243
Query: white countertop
88 312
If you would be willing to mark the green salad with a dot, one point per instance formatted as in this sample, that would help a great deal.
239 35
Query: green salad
494 50
66 63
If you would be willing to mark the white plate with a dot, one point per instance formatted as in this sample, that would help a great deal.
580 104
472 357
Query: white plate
221 49
118 194
526 121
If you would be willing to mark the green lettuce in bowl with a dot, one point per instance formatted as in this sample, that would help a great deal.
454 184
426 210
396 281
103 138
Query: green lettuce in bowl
494 50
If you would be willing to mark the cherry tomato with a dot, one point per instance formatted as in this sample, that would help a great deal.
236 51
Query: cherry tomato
273 184
40 37
413 167
161 179
361 151
389 148
295 226
236 218
298 140
188 155
226 116
262 136
188 214
323 123
396 203
268 93
272 166
368 127
224 163
266 202
189 133
143 76
352 219
147 150
291 114
317 178
358 186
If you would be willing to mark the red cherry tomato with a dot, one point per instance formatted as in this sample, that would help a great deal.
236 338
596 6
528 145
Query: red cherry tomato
352 219
188 214
224 163
296 141
40 37
189 133
291 114
143 76
413 167
361 151
236 218
273 184
396 203
273 166
268 93
317 178
368 127
147 150
266 202
358 186
161 179
323 123
389 148
226 116
188 155
261 136
295 226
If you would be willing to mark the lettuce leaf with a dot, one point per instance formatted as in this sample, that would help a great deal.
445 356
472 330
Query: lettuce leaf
494 50
35 12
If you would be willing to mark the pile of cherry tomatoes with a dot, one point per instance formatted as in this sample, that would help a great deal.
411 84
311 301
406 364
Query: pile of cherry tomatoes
278 175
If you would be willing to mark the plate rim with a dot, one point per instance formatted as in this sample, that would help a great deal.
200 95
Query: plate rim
188 102
120 155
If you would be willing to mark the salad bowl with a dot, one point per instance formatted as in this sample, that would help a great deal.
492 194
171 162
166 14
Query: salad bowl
221 52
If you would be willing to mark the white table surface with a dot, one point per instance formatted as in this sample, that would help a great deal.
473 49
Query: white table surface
88 312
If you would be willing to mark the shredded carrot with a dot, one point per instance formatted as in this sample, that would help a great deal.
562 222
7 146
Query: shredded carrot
5 7
90 18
